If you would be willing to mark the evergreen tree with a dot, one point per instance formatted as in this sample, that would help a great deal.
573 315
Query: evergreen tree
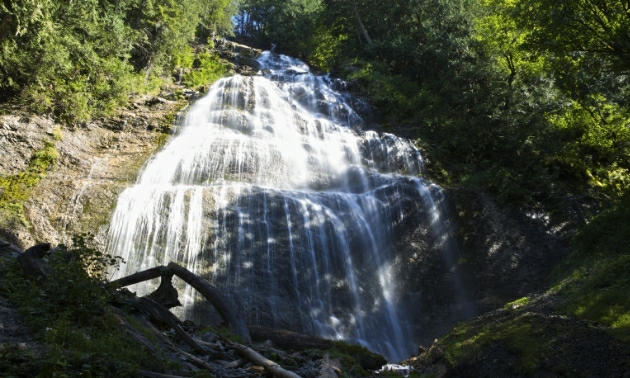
76 59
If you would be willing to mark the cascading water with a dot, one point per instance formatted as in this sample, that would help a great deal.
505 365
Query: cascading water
271 191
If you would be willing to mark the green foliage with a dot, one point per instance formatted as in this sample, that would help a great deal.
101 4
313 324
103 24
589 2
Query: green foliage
16 361
598 29
497 93
394 95
70 313
524 335
184 58
208 68
15 189
595 278
327 48
73 291
289 24
82 59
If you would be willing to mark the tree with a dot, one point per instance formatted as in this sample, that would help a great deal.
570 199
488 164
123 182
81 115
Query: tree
75 59
580 27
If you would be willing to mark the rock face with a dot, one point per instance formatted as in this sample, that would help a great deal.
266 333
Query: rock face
495 255
96 162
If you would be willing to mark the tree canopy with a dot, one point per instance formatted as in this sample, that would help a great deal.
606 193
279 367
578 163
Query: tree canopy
526 98
76 59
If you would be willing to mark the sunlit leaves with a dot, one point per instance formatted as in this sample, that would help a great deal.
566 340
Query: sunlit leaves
288 24
598 27
77 59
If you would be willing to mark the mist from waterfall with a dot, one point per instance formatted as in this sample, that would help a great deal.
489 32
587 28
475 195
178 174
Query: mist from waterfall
272 191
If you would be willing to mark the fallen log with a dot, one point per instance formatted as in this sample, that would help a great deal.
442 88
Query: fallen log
166 294
257 359
135 278
214 296
287 339
194 360
161 314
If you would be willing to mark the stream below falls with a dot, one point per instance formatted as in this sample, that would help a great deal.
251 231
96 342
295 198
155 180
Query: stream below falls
272 191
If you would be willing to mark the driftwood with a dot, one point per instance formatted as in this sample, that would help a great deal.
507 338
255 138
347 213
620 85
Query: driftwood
166 294
289 340
194 360
135 278
257 359
212 350
150 374
214 296
237 364
161 314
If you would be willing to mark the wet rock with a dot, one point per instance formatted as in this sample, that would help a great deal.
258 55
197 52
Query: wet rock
209 337
498 255
329 367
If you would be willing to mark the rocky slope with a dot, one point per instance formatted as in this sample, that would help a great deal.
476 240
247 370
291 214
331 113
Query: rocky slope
96 161
495 256
527 338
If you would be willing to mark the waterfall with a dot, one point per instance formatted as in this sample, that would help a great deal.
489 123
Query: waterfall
272 191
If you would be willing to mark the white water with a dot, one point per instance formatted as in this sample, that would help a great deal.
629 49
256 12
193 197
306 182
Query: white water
272 192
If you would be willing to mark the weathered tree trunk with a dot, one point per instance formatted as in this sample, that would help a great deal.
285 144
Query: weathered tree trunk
215 297
161 314
287 339
166 294
355 10
206 289
135 278
259 360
